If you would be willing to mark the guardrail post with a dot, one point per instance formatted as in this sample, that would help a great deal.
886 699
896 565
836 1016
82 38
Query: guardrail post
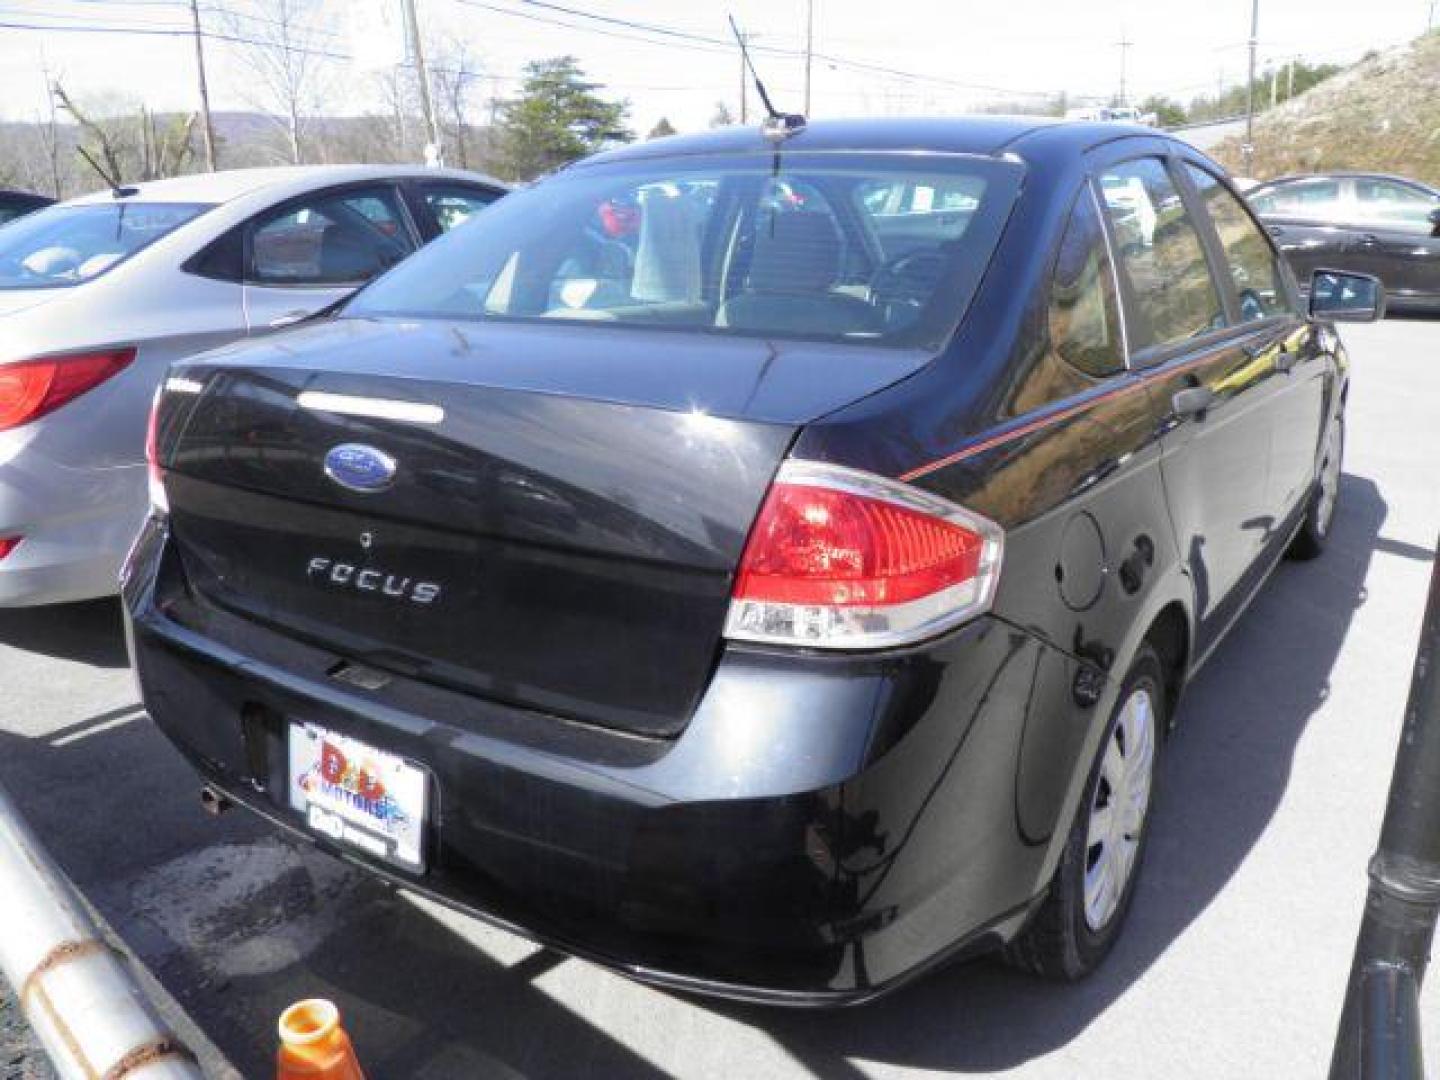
1379 1026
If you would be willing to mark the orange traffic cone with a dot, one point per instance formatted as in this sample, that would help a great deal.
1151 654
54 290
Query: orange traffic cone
313 1045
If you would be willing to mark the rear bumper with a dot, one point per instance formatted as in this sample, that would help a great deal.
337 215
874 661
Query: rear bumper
76 526
822 830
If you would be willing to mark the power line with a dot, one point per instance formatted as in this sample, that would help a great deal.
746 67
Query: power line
573 26
704 43
75 16
677 38
95 30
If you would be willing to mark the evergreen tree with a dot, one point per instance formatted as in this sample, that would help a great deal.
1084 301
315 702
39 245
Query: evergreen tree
557 118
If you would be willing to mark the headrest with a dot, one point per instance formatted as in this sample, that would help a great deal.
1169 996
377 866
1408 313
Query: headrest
796 251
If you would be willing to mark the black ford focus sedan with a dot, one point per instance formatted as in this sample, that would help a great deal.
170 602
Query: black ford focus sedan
764 563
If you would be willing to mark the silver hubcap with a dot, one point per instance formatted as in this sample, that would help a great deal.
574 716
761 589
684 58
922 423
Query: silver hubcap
1329 479
1117 813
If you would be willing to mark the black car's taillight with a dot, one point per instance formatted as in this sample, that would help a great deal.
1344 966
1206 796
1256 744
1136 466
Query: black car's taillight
843 559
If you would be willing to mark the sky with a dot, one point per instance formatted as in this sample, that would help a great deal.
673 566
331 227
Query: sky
878 58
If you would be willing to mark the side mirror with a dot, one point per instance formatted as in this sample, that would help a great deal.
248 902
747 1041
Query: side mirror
1434 218
1344 297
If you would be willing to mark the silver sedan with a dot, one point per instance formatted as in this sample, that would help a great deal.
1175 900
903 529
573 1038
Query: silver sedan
98 295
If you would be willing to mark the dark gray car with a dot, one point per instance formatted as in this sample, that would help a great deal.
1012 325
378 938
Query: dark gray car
1369 223
14 204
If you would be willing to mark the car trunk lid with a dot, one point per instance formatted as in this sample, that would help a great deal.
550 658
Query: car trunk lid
547 538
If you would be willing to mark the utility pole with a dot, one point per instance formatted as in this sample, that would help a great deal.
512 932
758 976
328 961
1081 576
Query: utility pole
208 128
1247 151
435 152
810 48
1274 85
1290 79
1124 44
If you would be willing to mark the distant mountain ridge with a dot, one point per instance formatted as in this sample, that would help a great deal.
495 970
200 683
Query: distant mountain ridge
244 139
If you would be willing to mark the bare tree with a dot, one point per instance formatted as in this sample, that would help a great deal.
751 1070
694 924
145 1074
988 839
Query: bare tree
132 145
102 138
456 72
49 135
283 47
397 93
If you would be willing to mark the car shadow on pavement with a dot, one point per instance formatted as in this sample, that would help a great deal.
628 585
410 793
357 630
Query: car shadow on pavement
237 922
1227 768
88 633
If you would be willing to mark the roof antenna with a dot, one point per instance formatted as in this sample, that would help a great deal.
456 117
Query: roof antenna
116 188
777 125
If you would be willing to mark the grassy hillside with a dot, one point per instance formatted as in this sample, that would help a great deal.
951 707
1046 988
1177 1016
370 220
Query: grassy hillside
1381 114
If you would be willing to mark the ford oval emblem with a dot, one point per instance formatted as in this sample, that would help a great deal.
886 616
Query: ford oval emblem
360 468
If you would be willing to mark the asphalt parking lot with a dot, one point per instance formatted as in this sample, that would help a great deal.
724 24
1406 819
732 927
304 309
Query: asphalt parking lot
1232 965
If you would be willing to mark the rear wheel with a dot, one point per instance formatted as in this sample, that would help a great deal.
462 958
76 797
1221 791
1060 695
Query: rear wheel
1090 895
1315 529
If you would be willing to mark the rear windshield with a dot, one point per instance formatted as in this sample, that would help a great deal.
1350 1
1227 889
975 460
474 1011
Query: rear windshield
68 245
878 248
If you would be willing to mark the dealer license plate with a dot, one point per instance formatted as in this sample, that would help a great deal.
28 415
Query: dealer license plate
360 796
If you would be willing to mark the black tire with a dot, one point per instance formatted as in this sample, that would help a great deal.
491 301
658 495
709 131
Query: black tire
1309 542
1059 942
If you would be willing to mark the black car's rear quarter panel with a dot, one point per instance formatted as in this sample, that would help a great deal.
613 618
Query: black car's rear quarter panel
1002 426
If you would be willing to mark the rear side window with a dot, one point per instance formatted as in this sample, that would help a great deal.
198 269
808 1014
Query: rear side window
336 239
1394 205
1161 252
1311 200
1084 316
1252 261
452 206
875 248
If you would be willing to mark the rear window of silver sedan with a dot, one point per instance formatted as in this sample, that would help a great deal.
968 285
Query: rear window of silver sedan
68 245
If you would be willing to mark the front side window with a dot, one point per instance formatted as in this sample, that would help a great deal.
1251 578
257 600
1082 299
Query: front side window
337 239
1161 252
1252 261
859 247
69 245
1307 200
454 206
1084 316
1394 205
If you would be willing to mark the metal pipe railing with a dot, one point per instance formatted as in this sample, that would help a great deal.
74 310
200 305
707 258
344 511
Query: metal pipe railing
75 990
1379 1035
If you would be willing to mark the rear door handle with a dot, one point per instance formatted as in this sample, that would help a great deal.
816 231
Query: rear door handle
1275 230
1369 238
290 318
1192 401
